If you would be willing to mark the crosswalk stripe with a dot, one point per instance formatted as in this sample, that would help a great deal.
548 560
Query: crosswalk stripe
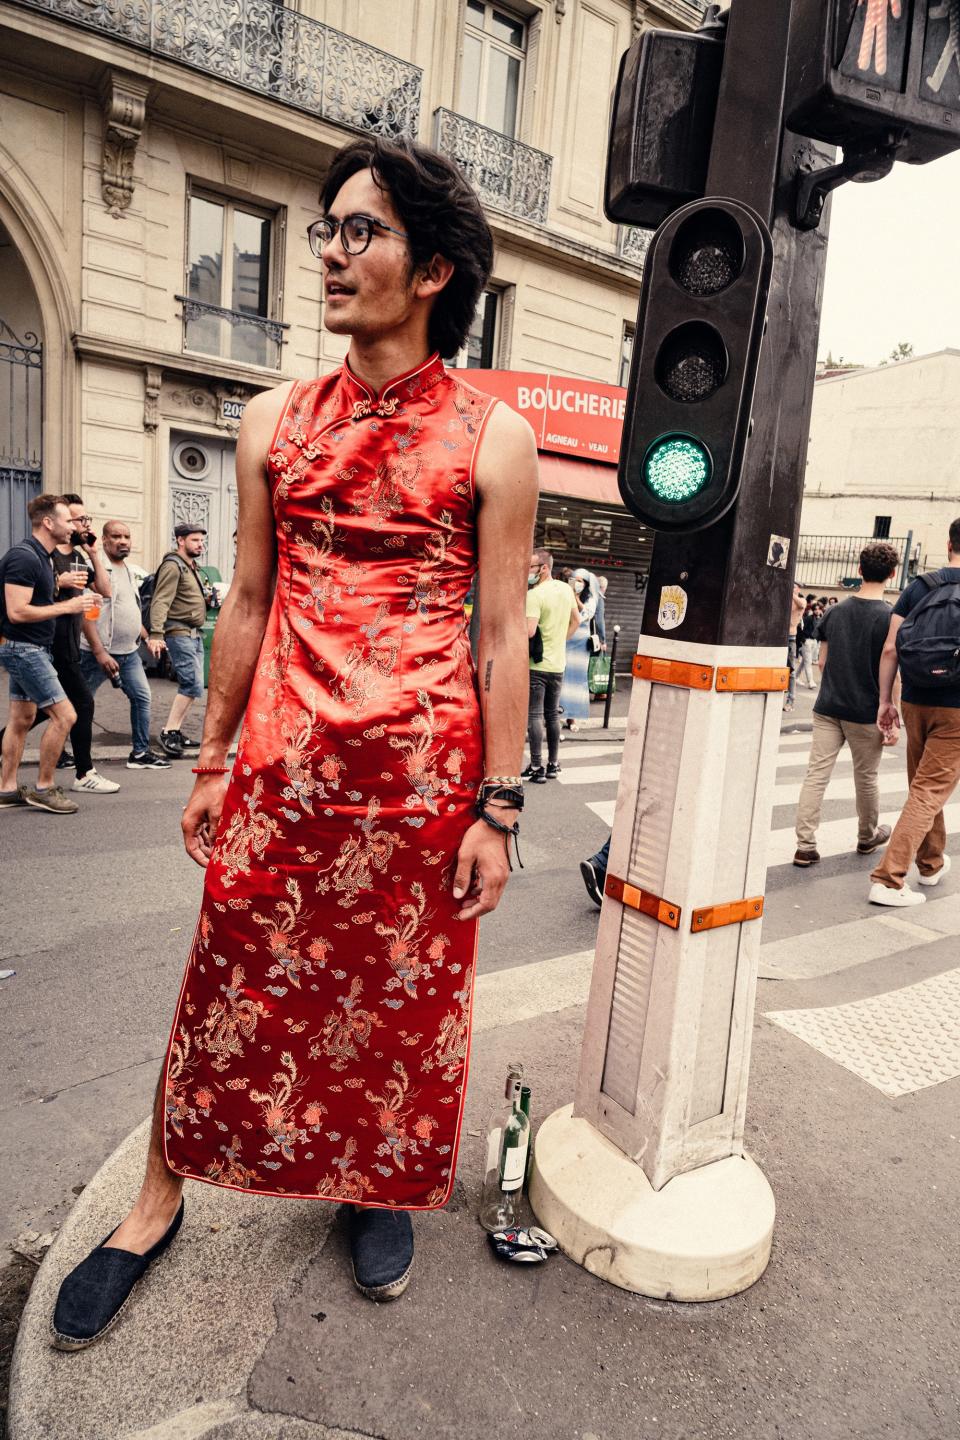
842 788
840 947
590 775
888 758
575 753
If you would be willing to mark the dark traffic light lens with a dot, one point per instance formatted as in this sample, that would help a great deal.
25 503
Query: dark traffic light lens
676 468
691 363
708 253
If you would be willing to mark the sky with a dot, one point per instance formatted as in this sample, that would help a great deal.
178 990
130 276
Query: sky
892 272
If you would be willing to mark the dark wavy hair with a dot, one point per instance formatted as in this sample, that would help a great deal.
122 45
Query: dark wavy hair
441 215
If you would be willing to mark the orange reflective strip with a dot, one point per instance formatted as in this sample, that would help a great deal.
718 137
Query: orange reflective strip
745 677
673 672
711 917
642 900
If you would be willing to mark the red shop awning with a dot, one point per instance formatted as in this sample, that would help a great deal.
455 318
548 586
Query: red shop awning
581 479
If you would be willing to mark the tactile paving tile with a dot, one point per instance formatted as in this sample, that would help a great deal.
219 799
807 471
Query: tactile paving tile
902 1041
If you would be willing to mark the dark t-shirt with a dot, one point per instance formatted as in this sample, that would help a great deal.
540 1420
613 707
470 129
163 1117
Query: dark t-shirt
854 632
807 629
28 564
66 638
909 600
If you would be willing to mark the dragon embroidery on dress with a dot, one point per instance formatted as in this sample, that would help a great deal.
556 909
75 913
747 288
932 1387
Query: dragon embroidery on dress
350 1185
229 1021
231 1170
405 939
278 1106
301 745
317 554
283 934
393 1111
176 1106
345 1029
360 857
449 1049
420 753
246 837
364 667
426 588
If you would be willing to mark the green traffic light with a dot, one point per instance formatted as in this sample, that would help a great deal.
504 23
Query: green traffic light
676 468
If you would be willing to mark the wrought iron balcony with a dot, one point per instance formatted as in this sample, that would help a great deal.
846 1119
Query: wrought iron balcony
231 334
633 243
506 174
262 46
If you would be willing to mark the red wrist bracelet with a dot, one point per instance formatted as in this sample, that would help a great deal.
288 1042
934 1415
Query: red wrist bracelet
211 770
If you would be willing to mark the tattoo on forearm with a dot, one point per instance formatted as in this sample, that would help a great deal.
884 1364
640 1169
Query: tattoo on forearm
487 676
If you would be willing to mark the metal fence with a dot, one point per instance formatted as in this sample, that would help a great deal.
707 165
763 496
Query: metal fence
265 47
834 559
506 174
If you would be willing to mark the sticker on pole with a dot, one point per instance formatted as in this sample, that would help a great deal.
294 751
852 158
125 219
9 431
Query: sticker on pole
673 607
777 552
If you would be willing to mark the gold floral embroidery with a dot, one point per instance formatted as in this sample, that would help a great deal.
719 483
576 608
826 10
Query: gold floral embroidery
349 1184
365 666
176 1105
283 936
393 1111
406 937
231 1170
420 753
277 1105
360 857
317 553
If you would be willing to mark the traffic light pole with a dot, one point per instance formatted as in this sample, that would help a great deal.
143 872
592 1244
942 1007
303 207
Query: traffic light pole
644 1180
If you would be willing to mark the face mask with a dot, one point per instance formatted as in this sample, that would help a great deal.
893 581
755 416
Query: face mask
532 579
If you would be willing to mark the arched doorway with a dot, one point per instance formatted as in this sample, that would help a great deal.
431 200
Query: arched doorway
21 393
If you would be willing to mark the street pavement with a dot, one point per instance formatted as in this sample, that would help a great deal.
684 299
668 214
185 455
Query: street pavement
250 1328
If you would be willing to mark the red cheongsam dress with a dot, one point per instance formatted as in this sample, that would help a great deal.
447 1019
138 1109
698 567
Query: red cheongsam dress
320 1042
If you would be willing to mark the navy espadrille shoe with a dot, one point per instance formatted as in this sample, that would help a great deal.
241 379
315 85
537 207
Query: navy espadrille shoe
381 1248
94 1295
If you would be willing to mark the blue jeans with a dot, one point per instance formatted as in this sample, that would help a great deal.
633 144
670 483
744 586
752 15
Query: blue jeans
186 657
601 860
134 684
33 679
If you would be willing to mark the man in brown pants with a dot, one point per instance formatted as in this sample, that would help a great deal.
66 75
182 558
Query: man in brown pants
852 637
931 714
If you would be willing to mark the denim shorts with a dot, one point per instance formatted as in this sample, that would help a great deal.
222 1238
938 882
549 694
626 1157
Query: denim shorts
186 657
33 679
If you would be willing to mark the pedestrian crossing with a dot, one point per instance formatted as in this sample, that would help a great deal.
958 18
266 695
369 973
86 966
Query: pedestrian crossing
904 1039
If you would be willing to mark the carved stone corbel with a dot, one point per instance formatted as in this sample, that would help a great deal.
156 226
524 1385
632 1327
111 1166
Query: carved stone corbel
123 99
641 17
153 378
561 9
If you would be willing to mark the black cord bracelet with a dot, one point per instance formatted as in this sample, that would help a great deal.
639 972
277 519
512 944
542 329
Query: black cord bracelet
506 830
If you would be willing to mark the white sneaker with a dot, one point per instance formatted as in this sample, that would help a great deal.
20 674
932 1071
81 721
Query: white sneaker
94 784
883 895
935 879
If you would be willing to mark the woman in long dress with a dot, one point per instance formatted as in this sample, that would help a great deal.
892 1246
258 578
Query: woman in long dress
575 694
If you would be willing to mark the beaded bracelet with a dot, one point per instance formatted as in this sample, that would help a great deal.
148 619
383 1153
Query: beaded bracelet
211 769
512 780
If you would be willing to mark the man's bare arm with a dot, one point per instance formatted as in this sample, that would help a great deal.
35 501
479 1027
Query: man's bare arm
243 618
887 715
506 486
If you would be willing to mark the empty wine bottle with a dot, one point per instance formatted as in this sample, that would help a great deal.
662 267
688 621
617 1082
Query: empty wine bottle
506 1158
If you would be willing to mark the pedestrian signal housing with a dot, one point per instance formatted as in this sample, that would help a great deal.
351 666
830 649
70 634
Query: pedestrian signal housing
695 355
662 124
883 72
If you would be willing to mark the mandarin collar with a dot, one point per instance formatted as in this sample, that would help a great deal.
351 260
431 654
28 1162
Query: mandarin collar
407 386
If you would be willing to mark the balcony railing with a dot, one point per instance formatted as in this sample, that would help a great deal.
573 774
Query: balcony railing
633 243
834 559
506 174
262 46
231 334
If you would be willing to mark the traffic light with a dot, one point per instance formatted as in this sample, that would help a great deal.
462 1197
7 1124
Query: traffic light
662 123
695 355
883 72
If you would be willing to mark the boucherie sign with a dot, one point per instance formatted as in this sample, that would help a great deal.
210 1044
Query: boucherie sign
569 417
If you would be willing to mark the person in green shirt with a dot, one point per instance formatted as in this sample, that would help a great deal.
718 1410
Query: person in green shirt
553 613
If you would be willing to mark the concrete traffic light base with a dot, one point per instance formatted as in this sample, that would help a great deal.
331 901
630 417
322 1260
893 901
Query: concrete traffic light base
705 1235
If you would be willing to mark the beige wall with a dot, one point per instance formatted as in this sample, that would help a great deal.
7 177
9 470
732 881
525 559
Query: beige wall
887 442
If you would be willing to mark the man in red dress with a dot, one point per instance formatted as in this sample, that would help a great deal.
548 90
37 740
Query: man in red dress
320 1043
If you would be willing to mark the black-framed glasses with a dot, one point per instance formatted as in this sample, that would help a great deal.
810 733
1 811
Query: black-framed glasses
356 232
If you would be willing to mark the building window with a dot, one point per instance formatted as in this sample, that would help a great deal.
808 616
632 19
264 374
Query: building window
626 353
480 349
494 48
881 527
229 305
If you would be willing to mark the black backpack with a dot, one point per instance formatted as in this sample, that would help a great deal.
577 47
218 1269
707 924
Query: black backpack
928 641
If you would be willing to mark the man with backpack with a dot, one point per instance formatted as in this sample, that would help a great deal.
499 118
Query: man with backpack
178 611
924 639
